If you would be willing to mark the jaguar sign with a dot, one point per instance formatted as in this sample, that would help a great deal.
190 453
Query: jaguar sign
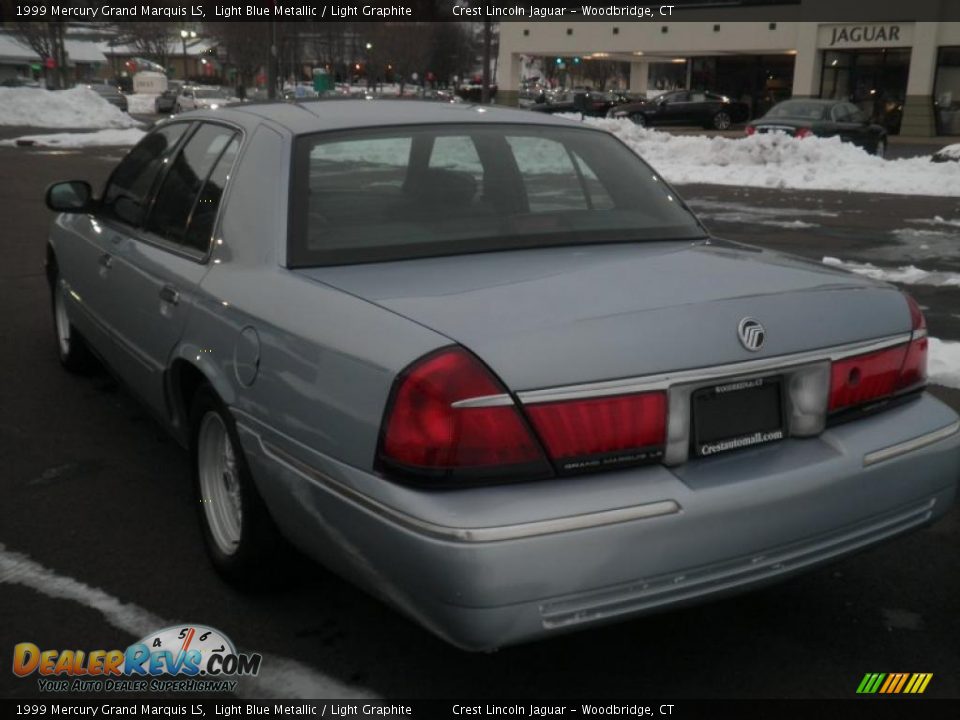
866 35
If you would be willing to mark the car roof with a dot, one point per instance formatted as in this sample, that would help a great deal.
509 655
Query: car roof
319 115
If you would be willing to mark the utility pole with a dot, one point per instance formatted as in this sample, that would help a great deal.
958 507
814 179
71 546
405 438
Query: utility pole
485 89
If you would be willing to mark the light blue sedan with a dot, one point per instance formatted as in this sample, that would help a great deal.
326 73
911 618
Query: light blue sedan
487 364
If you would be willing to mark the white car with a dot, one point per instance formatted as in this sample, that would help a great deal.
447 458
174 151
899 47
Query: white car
194 97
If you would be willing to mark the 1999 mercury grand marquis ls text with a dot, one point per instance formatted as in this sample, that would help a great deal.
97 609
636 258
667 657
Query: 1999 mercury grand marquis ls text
486 364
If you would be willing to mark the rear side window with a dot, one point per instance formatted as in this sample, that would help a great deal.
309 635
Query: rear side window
371 195
182 187
130 183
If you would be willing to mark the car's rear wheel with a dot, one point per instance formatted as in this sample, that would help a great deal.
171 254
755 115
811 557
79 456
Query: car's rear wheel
721 120
239 534
638 119
71 349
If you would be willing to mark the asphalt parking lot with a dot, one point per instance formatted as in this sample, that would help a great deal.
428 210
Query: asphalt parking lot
97 511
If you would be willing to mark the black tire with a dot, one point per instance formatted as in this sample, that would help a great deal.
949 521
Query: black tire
253 558
721 120
638 119
72 350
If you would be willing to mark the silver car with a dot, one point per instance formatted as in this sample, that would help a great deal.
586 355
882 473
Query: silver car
486 364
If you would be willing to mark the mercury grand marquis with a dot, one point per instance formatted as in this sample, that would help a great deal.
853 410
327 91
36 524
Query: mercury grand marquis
487 364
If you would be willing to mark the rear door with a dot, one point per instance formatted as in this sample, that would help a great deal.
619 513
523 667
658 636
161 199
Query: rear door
675 109
158 271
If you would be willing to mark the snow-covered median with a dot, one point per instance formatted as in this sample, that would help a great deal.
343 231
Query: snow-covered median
130 136
78 107
778 161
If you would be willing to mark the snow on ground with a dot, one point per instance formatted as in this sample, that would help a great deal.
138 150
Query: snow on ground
944 363
907 275
935 220
950 152
130 136
741 213
77 107
779 161
142 103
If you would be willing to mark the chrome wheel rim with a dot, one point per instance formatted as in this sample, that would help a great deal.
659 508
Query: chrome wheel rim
62 323
219 483
721 121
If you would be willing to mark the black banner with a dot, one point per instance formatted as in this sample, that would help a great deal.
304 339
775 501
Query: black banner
854 709
481 10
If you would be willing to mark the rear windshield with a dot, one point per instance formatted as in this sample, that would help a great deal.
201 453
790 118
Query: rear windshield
366 196
800 110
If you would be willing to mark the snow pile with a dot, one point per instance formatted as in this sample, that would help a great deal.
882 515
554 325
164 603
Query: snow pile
142 103
781 161
78 107
950 152
130 136
944 363
907 274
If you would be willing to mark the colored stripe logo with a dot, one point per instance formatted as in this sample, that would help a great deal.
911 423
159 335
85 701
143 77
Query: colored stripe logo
894 683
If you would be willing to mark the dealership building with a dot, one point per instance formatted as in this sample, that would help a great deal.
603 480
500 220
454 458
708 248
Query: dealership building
906 75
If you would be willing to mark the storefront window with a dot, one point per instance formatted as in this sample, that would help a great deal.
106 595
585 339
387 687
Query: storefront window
873 80
946 91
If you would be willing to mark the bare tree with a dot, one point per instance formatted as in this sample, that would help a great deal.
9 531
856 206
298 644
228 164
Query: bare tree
151 40
245 46
404 45
454 51
46 40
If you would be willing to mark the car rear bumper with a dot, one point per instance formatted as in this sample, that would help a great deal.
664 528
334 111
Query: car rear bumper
486 567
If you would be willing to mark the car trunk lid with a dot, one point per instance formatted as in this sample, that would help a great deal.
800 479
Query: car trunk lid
567 315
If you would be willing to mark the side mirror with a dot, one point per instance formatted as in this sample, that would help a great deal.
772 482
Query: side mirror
73 196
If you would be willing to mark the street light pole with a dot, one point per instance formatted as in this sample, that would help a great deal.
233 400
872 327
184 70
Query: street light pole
184 34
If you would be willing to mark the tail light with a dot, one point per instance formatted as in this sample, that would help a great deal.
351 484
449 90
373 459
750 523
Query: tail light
602 432
750 130
873 376
803 133
450 417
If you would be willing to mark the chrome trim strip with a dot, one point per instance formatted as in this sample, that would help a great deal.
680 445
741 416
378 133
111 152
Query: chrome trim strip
888 453
461 534
484 401
663 381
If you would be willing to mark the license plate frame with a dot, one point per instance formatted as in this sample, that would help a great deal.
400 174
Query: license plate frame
748 411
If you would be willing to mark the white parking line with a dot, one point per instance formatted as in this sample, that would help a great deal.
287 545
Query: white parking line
280 677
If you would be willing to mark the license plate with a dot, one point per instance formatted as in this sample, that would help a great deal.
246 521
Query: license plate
737 414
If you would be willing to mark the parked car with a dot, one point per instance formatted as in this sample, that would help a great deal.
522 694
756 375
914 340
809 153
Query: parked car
166 101
111 94
685 107
20 82
823 118
201 97
594 103
467 358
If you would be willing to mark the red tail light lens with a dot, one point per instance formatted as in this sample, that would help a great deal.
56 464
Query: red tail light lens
873 376
435 425
623 428
750 130
803 133
915 365
862 378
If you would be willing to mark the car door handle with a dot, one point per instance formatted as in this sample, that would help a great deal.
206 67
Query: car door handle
106 261
168 294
